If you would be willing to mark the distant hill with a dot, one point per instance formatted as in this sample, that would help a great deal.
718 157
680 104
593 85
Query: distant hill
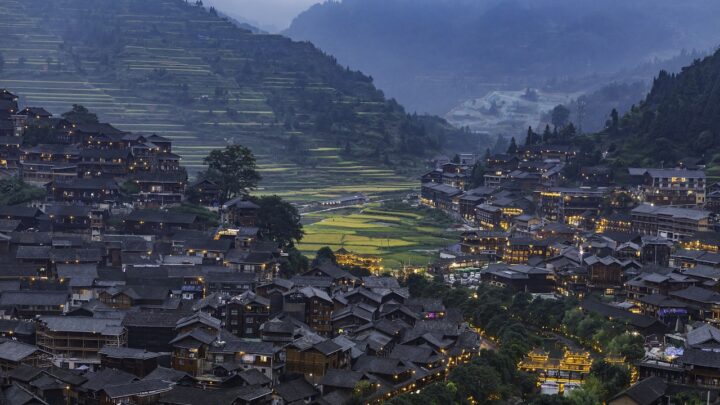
431 54
171 67
679 118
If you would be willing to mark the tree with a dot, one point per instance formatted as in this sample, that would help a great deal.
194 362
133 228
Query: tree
296 263
477 176
627 345
324 254
613 378
614 120
512 149
560 116
279 220
14 190
501 145
547 136
233 169
80 115
687 398
532 138
480 382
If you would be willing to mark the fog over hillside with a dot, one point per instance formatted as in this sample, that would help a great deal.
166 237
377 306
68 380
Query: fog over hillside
434 54
268 15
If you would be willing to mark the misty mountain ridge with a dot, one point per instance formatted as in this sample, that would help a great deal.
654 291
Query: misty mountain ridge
431 55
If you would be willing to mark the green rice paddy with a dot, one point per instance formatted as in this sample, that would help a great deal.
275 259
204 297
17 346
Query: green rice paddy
400 238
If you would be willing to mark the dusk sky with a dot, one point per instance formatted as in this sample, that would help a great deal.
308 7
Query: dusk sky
271 15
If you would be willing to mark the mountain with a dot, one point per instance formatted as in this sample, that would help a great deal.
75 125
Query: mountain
679 118
434 54
171 67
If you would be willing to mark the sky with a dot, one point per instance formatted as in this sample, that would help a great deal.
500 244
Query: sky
269 15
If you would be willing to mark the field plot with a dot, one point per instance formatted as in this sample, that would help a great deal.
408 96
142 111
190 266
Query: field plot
179 72
407 236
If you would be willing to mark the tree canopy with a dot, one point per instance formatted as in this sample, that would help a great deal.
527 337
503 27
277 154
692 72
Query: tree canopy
80 115
279 220
234 169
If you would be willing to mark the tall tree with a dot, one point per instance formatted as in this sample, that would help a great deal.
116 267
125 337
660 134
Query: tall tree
547 136
324 254
80 115
279 220
233 169
512 149
614 121
532 138
560 116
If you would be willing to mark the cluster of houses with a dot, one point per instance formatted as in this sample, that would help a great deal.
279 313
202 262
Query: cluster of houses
110 298
647 242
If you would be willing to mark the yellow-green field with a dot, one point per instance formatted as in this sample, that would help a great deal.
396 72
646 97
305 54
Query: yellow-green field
400 236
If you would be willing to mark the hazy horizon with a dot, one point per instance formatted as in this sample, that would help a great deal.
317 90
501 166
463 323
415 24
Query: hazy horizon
268 15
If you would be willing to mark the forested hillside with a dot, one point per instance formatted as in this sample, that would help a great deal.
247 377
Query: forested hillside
680 117
176 68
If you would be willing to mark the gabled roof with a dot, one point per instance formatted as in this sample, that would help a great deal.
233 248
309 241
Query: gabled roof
17 394
142 387
296 390
330 270
14 351
107 377
94 183
82 324
700 358
703 335
166 374
127 353
19 211
161 217
338 378
22 298
201 318
697 294
98 128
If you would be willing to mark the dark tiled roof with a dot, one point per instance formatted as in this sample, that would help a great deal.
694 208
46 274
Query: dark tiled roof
697 294
68 210
296 390
14 351
107 377
645 392
137 387
19 298
127 353
341 378
161 217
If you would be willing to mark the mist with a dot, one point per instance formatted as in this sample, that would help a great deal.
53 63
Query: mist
269 15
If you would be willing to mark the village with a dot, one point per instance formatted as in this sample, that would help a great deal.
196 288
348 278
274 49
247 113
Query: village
108 297
640 248
111 294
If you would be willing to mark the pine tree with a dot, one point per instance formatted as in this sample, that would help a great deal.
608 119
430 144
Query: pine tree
531 137
512 149
547 135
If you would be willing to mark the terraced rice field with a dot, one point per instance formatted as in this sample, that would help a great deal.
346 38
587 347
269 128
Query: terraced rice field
400 238
47 70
